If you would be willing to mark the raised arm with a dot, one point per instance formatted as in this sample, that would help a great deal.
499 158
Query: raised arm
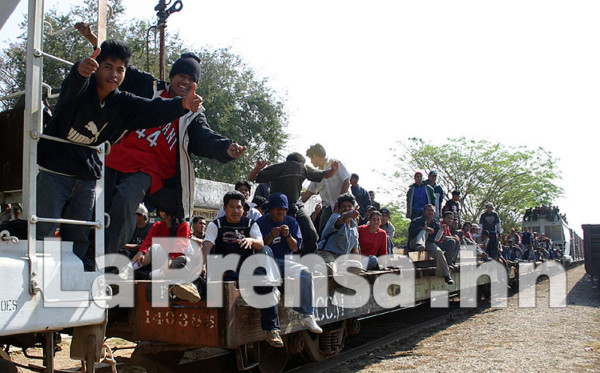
260 164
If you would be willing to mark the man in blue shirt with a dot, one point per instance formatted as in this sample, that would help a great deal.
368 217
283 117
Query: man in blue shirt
281 234
418 196
362 196
340 235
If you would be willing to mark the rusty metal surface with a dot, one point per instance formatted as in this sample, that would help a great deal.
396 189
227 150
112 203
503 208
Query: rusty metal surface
181 323
236 323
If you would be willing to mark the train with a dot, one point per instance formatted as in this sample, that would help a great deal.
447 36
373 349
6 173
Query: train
564 238
50 292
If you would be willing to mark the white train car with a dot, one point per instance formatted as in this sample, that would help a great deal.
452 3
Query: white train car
44 287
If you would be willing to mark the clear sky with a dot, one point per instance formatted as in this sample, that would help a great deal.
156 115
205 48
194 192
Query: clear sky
358 76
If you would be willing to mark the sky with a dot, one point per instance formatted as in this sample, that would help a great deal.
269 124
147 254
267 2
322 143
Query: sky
358 78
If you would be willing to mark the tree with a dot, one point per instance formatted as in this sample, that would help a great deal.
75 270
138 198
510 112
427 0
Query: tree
512 178
238 105
242 108
397 219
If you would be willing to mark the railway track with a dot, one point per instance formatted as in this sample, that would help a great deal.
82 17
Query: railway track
401 332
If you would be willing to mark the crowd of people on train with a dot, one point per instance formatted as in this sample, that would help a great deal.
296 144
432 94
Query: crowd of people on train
550 213
155 127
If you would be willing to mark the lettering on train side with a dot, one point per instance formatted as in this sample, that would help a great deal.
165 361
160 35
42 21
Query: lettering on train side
182 319
8 305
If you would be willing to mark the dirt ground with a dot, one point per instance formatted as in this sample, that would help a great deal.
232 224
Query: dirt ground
512 339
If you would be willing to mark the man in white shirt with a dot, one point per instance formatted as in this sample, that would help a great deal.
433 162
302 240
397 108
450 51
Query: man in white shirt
329 189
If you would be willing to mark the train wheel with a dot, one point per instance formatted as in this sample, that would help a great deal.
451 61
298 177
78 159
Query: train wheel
319 347
271 359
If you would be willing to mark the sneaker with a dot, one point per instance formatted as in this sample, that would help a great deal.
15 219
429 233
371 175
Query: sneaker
310 323
449 280
187 292
274 339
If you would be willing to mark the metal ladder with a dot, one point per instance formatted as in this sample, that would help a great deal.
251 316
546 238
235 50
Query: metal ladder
32 132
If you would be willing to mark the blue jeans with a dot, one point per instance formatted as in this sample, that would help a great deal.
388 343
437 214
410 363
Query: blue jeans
306 284
66 197
370 263
123 194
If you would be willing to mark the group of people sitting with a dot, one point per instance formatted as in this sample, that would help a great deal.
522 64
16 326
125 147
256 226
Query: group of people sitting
278 228
550 213
528 246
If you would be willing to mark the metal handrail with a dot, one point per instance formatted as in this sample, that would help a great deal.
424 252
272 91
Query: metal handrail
36 219
37 135
21 93
40 53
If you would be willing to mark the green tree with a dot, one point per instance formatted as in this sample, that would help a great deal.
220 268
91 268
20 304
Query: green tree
238 105
242 108
400 224
512 178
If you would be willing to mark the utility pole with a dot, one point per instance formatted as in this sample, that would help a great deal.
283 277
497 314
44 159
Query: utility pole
162 12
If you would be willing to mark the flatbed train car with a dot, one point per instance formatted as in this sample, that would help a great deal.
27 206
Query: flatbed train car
235 329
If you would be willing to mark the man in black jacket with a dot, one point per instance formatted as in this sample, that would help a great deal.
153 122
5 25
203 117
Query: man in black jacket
90 111
287 178
155 164
423 232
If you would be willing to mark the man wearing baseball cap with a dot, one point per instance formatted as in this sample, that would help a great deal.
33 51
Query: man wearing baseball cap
418 196
142 227
388 227
282 236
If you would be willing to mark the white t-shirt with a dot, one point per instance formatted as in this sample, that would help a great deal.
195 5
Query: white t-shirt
330 189
212 231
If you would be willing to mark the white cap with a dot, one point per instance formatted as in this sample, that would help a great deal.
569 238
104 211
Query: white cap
142 210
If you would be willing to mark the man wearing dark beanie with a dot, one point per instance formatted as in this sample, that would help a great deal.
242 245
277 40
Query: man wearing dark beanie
188 64
155 164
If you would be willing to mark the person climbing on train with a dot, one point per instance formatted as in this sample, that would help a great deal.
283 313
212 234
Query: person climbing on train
91 111
329 189
155 164
287 178
283 237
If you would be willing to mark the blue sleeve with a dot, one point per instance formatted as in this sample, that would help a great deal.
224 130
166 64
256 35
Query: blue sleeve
330 226
295 231
262 224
